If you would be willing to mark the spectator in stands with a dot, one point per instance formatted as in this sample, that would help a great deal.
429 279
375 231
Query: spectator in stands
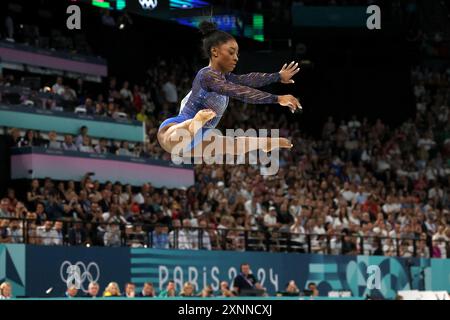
13 138
68 144
148 291
69 94
112 290
422 250
6 291
292 288
112 236
5 236
46 235
4 208
93 290
137 151
54 209
142 116
348 244
130 290
88 106
52 142
15 231
270 219
126 94
58 87
204 236
160 237
86 145
102 147
80 138
313 288
77 235
124 149
177 237
187 290
170 91
27 140
72 291
9 26
225 290
169 291
41 215
58 239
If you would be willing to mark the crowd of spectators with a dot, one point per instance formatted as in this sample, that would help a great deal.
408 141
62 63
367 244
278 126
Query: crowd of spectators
243 284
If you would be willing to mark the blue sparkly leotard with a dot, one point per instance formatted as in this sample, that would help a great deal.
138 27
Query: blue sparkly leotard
212 90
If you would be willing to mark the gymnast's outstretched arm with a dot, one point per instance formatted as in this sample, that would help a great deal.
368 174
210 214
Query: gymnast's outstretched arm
254 79
213 81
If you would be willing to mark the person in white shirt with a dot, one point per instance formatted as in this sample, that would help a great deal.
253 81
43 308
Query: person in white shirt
206 240
68 144
270 218
389 248
298 232
170 91
125 92
180 238
391 206
15 231
58 87
45 234
253 206
318 240
348 194
354 217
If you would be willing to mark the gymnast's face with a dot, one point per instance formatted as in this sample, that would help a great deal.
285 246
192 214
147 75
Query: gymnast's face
226 55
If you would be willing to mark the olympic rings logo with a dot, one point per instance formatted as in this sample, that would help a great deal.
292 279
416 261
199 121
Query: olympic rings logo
77 274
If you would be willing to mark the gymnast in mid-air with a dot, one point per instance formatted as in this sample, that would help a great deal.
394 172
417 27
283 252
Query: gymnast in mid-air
203 107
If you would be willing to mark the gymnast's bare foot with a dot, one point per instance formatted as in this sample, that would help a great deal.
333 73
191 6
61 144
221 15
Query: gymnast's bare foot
204 115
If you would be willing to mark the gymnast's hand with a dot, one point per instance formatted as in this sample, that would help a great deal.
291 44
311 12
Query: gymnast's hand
288 71
290 101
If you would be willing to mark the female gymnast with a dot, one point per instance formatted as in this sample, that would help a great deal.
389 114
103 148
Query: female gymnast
213 85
